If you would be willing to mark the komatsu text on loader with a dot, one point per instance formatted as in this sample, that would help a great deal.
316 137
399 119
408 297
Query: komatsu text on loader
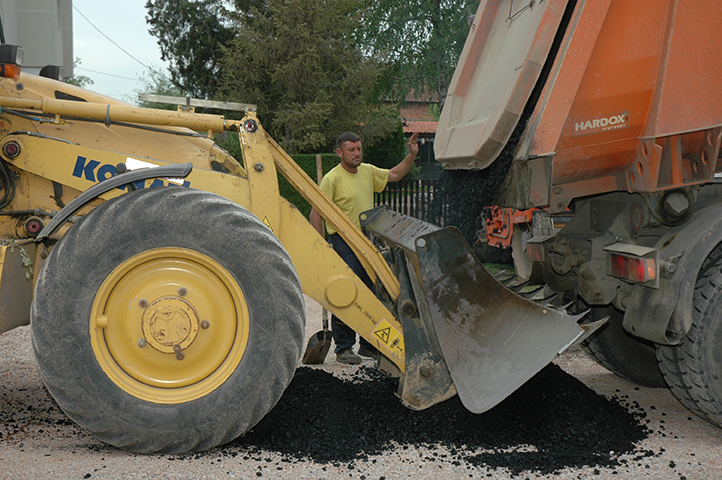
163 280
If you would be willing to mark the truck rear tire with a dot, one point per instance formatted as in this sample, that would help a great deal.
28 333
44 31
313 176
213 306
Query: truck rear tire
695 365
168 320
622 353
672 368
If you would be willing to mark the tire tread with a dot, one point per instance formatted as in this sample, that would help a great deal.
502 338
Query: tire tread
231 226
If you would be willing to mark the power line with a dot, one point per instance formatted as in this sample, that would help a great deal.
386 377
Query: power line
108 74
110 39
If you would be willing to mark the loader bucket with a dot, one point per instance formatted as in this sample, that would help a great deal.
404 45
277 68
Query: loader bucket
491 339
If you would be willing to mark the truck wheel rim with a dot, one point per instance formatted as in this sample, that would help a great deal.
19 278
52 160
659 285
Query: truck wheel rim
169 325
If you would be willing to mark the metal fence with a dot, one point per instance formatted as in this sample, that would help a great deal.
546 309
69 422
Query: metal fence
410 197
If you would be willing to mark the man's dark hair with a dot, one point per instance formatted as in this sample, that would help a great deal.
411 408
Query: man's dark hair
347 137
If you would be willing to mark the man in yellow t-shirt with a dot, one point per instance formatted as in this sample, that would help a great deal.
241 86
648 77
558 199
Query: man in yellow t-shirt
351 186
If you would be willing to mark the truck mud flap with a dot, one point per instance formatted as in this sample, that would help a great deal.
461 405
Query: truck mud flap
492 340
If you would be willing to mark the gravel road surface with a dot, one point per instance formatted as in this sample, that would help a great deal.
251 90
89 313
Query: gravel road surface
574 420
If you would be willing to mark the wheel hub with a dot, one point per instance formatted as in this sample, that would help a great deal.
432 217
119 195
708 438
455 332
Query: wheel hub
170 324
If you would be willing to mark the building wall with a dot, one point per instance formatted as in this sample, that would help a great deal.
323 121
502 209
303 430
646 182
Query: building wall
44 28
416 111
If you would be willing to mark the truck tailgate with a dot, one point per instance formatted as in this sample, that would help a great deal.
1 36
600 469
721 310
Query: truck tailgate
503 56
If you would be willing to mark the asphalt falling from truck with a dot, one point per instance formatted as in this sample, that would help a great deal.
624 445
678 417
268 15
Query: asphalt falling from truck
461 195
552 422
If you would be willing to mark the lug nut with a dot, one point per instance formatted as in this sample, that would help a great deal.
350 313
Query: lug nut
205 324
142 303
180 356
142 343
182 291
176 348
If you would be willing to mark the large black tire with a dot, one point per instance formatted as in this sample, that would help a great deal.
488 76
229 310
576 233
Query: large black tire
168 320
693 368
672 368
622 353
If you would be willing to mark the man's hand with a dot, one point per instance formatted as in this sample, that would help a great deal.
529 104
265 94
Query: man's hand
398 172
413 144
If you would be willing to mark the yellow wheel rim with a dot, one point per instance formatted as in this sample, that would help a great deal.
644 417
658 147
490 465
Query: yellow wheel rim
169 325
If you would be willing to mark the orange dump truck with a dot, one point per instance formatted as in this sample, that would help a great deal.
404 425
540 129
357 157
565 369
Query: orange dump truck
614 108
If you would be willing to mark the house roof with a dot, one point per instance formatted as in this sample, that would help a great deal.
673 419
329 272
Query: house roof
413 96
422 97
412 126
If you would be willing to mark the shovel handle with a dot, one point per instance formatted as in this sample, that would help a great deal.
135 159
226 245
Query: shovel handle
319 177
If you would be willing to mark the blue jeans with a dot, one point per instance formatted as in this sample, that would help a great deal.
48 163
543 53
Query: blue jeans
343 335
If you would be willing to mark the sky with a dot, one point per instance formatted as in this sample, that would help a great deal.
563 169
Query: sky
114 72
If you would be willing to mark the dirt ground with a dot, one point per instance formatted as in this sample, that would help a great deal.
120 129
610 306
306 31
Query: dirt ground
37 441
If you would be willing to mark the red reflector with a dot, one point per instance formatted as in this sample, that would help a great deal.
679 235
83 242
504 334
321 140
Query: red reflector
535 252
634 269
8 70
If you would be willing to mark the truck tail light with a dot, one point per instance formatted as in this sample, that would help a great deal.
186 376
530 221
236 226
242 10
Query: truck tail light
634 269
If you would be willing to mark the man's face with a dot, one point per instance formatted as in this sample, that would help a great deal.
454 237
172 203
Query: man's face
350 153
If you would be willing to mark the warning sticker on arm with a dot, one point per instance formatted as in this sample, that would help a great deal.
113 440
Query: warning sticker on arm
390 337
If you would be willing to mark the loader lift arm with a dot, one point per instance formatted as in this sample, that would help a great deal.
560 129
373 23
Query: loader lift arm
251 145
324 276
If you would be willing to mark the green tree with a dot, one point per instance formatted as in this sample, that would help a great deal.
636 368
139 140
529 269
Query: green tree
418 42
79 80
156 82
385 149
299 62
190 34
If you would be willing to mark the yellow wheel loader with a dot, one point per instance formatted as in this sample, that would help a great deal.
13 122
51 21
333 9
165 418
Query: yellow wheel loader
163 280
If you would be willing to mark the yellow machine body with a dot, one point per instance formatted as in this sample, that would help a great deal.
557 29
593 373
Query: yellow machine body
80 160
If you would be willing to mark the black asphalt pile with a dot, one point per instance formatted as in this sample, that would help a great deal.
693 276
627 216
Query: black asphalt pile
552 422
28 411
461 195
